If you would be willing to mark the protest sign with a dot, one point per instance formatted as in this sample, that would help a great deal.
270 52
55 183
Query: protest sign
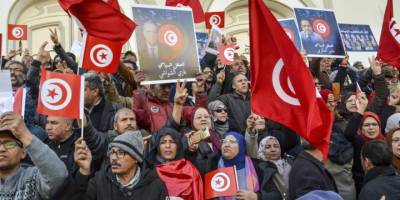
202 39
358 37
290 27
214 41
319 32
166 43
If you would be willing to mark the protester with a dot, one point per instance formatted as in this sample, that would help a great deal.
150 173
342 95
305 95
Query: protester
219 117
381 179
393 140
167 157
34 182
123 176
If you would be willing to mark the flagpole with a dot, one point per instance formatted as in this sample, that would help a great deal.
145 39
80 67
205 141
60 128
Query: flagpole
237 183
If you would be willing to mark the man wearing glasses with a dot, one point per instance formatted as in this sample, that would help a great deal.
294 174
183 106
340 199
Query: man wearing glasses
123 176
16 182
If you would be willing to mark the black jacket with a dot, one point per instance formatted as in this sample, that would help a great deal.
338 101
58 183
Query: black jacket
102 115
269 191
104 185
381 181
309 174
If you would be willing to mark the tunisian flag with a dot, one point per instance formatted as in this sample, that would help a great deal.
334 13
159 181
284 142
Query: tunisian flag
182 179
215 18
100 19
198 13
221 182
282 87
389 44
226 54
61 94
19 101
101 55
17 32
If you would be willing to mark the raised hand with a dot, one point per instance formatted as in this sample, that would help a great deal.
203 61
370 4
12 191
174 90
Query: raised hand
54 36
82 156
221 77
181 93
376 66
139 76
15 123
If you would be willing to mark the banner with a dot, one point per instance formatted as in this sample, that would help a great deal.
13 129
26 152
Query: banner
17 32
290 27
358 37
202 39
166 43
6 94
319 32
214 41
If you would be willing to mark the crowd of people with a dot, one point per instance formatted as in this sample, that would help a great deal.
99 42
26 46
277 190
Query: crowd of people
138 140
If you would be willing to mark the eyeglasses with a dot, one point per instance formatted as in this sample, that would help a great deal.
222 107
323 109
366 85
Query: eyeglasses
228 141
119 153
220 110
10 144
370 124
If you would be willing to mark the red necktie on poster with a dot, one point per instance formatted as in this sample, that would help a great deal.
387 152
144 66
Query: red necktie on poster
198 13
226 54
220 182
59 96
17 32
19 101
101 55
215 18
389 44
282 88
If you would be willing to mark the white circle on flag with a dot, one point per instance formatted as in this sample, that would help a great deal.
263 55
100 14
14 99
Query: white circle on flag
394 30
229 53
17 32
220 182
215 19
101 55
276 83
55 94
321 28
170 38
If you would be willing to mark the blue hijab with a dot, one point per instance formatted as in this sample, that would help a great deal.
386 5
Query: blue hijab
239 159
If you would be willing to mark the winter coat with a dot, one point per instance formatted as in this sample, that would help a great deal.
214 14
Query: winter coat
309 174
104 186
102 115
381 181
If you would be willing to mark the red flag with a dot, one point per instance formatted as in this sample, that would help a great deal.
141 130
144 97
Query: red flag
19 101
183 171
282 87
17 32
198 13
100 54
61 94
221 182
226 54
101 19
389 44
215 18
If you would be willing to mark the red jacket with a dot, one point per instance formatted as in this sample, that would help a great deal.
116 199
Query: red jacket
151 114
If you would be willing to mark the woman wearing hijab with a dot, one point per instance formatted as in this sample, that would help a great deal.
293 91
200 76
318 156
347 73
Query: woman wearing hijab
276 169
233 153
219 117
203 152
167 158
363 127
393 139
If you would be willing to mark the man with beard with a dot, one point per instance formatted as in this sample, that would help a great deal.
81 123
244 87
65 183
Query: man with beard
123 175
18 74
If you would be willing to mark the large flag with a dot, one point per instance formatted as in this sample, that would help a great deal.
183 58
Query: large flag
100 54
100 19
61 94
389 44
198 13
17 32
221 182
215 18
282 87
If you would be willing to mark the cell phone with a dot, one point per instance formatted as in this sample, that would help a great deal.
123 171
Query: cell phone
199 135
